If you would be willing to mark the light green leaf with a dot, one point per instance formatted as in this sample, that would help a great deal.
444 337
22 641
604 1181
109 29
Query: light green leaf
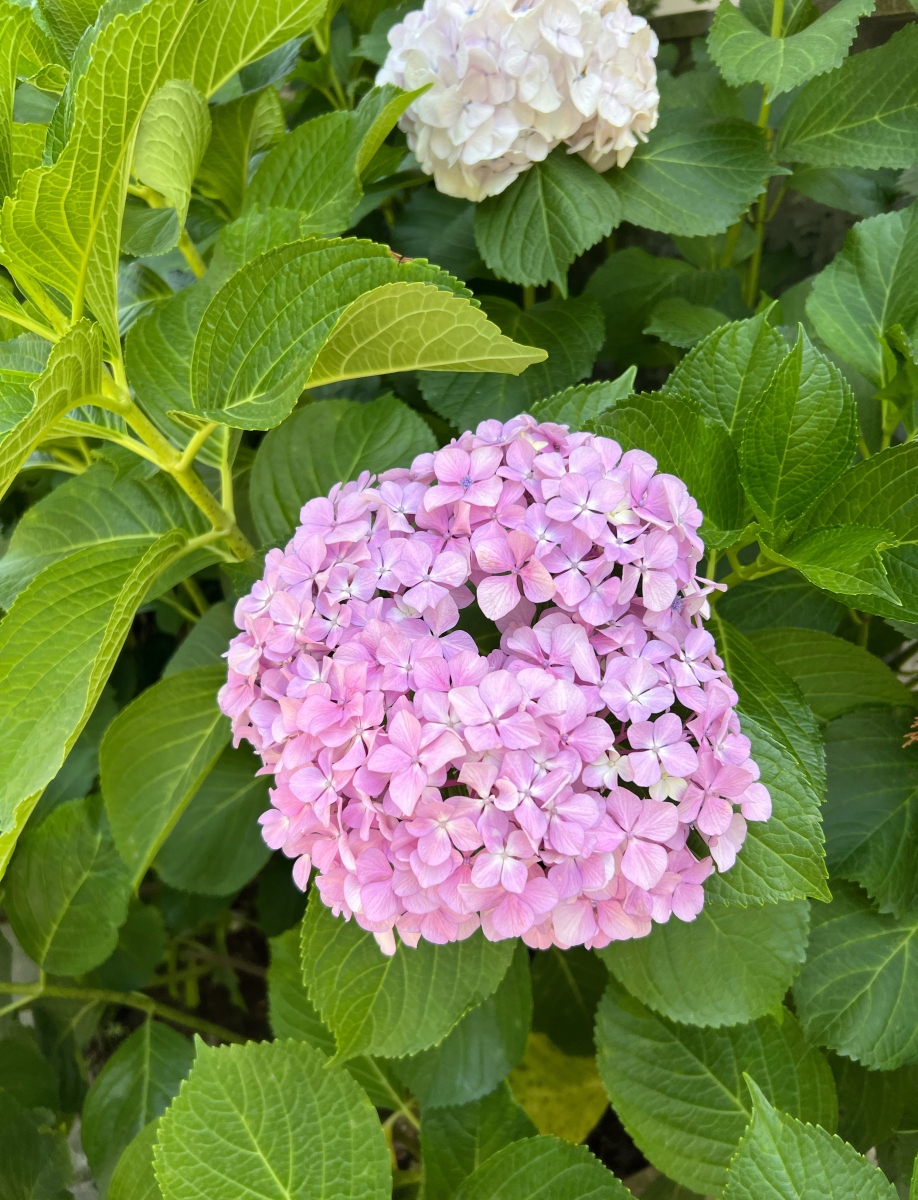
67 889
679 1090
728 966
799 438
171 139
14 21
576 405
248 125
858 990
476 1054
548 216
780 1157
292 1016
566 987
135 1085
271 1120
52 670
398 1005
154 757
870 1103
456 1141
835 676
843 559
148 231
416 327
696 175
867 288
745 52
216 847
542 1168
205 643
120 498
672 428
681 323
780 599
861 115
73 374
570 331
871 818
782 857
133 1177
67 20
726 373
326 443
248 369
562 1093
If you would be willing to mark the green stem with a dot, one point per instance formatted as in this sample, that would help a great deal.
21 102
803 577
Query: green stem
42 301
528 295
777 18
175 604
32 991
733 236
192 257
198 599
863 447
195 444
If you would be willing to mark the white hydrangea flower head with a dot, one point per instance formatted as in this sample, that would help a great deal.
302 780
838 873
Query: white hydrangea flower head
512 79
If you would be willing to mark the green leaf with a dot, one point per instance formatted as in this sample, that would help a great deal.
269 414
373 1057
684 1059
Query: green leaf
781 599
480 1050
727 372
858 990
780 1156
292 1015
67 20
799 437
67 889
577 405
248 125
171 139
149 230
73 373
861 115
562 1093
843 559
415 327
672 428
746 53
548 216
871 819
679 1090
154 757
286 1124
216 847
867 288
34 1155
566 987
696 175
728 966
782 857
398 1005
441 228
855 189
323 444
571 333
870 1103
456 1141
133 1177
681 323
835 676
135 1085
249 369
14 21
52 670
542 1168
205 643
120 498
26 1075
141 944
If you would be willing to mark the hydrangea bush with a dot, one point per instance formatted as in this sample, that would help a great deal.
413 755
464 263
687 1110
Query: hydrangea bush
458 587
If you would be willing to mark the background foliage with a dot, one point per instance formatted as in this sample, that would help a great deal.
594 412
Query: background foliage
741 301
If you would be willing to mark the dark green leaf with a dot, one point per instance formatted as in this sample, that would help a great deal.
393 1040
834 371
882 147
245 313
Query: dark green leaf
286 1125
566 987
855 189
441 229
542 1168
456 1141
135 1085
205 643
871 819
26 1076
141 943
679 1090
67 889
861 115
248 125
323 444
858 990
843 559
870 1103
571 331
683 324
34 1155
781 599
696 175
548 216
577 405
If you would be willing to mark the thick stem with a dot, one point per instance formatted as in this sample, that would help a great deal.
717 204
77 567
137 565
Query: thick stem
190 251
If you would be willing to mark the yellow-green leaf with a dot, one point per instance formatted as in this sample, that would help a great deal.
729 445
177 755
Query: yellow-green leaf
173 135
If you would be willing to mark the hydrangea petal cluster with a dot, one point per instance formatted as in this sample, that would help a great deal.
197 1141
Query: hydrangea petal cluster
511 79
545 790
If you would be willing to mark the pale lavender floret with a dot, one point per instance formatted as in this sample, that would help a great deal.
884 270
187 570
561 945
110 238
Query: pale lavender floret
546 791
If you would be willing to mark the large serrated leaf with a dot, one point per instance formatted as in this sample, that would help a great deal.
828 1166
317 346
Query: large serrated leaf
171 139
542 1167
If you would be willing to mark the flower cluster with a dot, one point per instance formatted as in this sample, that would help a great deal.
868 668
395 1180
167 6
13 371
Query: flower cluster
544 790
511 79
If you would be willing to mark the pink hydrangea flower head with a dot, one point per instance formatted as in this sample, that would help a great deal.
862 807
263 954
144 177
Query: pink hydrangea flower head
545 790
